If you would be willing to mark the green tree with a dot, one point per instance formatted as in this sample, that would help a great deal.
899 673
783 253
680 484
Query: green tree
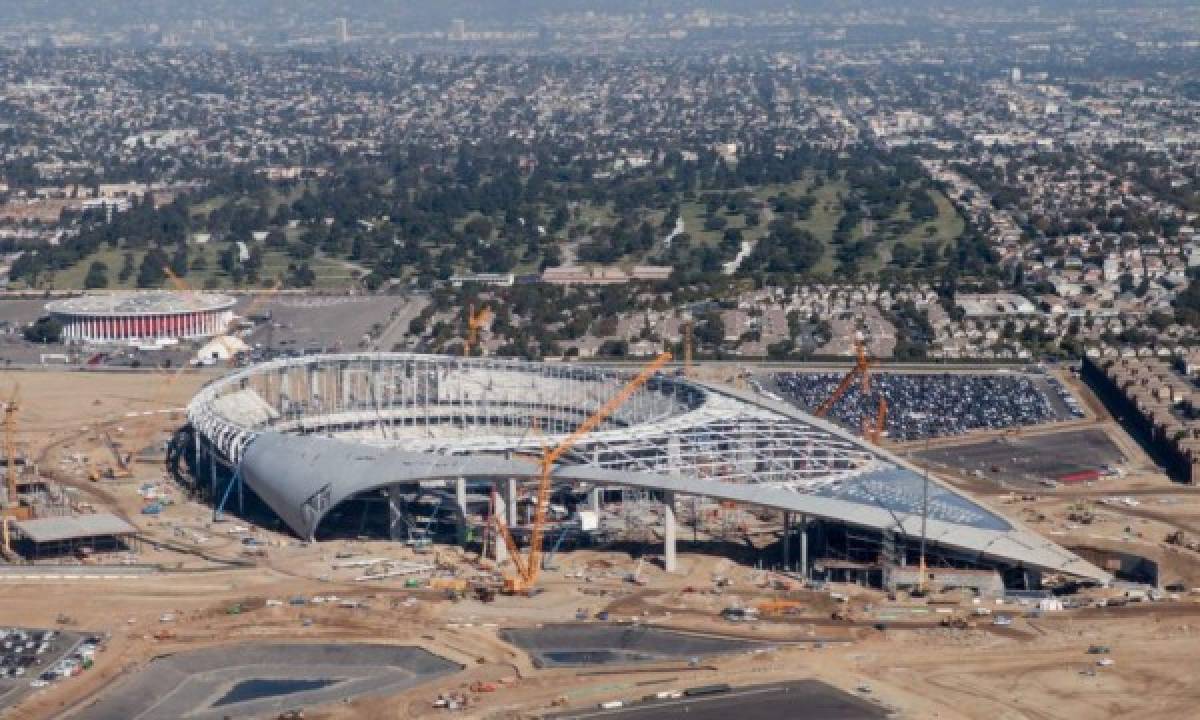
97 276
45 330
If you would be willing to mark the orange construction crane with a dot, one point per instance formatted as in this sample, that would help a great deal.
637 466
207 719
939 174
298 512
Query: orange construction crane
871 429
527 568
861 369
876 429
475 321
183 287
780 607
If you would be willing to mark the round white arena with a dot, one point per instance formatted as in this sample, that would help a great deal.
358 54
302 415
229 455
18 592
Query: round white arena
142 317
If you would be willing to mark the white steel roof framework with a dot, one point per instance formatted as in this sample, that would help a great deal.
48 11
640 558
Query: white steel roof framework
310 432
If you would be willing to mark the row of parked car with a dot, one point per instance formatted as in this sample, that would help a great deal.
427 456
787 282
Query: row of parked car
25 653
70 665
924 405
22 650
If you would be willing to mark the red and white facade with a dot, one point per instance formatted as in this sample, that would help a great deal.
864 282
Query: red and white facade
156 317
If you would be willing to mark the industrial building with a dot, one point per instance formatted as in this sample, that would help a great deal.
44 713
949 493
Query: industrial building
155 317
304 437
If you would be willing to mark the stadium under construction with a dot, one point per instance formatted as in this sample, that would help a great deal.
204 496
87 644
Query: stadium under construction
421 448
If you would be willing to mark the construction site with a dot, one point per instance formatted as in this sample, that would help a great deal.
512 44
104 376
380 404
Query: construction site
389 535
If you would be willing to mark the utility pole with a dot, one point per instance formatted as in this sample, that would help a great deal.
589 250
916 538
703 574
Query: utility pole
924 517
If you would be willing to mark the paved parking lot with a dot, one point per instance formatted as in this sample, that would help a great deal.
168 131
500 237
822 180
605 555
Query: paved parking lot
263 680
929 405
1027 460
32 657
602 644
301 325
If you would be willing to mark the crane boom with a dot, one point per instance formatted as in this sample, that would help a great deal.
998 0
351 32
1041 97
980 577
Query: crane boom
837 394
872 429
527 569
880 419
861 371
475 321
11 407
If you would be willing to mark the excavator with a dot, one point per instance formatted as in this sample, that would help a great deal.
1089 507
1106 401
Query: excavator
527 568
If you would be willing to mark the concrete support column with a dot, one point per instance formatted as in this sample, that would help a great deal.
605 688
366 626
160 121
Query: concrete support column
397 520
212 474
510 502
594 499
460 498
804 546
196 455
669 563
787 540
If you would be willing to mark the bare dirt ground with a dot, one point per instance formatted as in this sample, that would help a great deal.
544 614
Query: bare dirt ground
1039 668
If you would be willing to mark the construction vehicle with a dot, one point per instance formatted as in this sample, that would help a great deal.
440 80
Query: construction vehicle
475 321
780 607
121 468
956 622
1081 513
739 614
872 429
527 568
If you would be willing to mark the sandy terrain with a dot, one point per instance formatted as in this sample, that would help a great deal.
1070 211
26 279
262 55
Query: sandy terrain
1037 669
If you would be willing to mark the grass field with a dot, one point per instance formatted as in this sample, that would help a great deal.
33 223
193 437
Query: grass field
827 211
330 273
821 222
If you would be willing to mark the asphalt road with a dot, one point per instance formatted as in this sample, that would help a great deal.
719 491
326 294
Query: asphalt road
801 700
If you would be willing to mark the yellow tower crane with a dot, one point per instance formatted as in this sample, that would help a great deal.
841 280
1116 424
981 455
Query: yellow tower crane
11 407
527 568
11 511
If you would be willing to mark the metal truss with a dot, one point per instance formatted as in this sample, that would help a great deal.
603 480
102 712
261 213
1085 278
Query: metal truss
451 407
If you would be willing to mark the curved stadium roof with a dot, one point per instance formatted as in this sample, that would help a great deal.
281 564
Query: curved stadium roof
308 433
154 302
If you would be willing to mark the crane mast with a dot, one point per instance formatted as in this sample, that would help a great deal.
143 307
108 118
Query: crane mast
872 429
475 321
527 568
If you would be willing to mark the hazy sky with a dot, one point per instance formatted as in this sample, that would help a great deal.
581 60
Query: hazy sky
122 12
